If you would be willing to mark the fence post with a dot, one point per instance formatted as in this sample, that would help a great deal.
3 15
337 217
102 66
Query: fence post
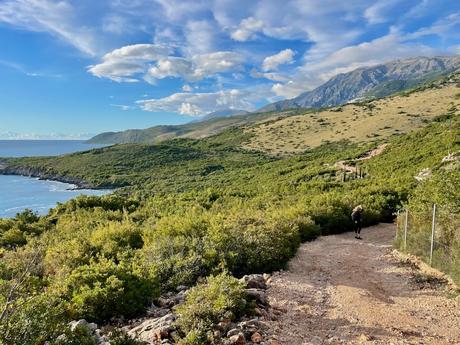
397 225
405 229
433 229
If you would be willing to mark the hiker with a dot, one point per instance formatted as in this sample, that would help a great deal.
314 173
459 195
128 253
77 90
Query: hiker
356 218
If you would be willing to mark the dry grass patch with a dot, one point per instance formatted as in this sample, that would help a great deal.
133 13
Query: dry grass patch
357 122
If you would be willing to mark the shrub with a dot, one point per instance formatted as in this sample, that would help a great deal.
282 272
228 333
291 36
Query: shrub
222 296
116 237
103 289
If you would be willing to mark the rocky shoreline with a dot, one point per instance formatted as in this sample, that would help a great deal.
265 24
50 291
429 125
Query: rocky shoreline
7 169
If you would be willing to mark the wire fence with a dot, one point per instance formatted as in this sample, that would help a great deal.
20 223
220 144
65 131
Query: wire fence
433 234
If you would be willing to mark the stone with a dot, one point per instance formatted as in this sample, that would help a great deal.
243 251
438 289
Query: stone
258 295
82 324
233 332
257 338
237 339
154 329
254 281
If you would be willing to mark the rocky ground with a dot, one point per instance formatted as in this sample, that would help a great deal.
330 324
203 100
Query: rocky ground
158 325
339 290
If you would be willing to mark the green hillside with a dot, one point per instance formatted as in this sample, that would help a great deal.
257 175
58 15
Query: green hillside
189 209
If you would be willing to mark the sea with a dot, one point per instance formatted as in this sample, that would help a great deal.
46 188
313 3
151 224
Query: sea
18 193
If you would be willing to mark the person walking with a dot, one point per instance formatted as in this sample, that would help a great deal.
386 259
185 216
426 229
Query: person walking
356 216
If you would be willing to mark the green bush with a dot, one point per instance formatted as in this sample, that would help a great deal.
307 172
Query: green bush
222 296
114 237
103 289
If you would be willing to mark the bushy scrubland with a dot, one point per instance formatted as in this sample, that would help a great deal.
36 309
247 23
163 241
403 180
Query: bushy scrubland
192 212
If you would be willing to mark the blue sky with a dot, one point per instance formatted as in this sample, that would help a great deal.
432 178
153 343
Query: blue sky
75 68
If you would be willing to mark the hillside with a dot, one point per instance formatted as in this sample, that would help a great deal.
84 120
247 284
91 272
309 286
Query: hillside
368 82
358 122
377 81
194 214
197 129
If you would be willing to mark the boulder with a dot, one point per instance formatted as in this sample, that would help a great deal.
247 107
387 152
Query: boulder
254 281
82 324
155 329
258 295
237 339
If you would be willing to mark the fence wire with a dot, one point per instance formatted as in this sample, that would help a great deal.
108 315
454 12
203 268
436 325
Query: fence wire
433 234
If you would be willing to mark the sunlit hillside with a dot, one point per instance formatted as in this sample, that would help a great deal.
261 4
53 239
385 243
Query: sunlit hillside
357 122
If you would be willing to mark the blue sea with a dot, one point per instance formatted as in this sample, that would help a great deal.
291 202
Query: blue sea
18 193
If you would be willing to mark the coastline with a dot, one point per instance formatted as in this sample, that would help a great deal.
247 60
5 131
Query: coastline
79 183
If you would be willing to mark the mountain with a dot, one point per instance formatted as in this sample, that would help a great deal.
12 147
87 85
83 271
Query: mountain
216 123
365 121
368 82
223 113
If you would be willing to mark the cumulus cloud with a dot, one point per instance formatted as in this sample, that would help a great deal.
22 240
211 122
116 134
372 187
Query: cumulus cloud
153 62
197 67
248 29
197 104
271 63
123 64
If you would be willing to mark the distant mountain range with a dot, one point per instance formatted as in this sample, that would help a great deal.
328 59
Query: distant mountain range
367 82
223 113
376 81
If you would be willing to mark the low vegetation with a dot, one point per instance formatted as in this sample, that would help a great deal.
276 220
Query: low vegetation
190 211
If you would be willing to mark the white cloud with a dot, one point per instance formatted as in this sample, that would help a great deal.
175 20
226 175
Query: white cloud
197 104
273 76
122 106
196 68
152 62
187 88
380 50
200 37
123 64
54 17
271 63
380 11
247 29
116 24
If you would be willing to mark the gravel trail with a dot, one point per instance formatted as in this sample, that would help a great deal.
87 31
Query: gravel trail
339 290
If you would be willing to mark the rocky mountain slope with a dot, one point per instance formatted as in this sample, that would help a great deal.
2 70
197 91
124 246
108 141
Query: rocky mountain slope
375 81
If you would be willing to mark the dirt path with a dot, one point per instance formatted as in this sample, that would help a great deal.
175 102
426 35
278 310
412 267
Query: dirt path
368 155
339 290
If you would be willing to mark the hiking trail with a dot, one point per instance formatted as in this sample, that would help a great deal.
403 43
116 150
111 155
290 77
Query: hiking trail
339 290
368 155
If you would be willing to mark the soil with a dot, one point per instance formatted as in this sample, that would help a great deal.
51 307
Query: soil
340 290
368 155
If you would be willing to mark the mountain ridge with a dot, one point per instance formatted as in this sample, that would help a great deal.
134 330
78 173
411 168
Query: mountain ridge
368 82
365 82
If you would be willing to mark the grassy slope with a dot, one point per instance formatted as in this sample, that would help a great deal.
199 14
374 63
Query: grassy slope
361 122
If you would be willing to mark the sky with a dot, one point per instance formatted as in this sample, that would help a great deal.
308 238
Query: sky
71 69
